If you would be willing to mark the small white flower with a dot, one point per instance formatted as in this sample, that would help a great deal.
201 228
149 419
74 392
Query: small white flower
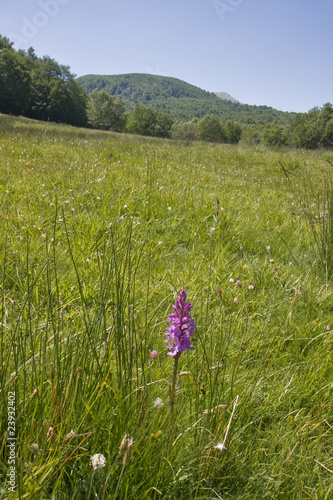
98 461
231 280
169 208
220 447
158 402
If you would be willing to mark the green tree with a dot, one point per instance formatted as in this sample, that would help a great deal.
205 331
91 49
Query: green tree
147 121
56 96
210 129
185 130
15 82
233 132
274 135
106 112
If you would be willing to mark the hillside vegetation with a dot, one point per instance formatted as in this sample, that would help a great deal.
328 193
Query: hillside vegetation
100 231
41 88
178 99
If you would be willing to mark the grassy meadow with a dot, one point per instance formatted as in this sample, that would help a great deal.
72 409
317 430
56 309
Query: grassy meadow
99 232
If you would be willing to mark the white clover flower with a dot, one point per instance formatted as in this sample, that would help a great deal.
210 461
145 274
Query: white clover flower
98 461
158 402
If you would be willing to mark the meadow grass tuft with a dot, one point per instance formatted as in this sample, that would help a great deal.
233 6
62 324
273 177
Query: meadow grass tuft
98 236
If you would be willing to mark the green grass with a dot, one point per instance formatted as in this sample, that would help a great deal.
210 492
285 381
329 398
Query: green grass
94 250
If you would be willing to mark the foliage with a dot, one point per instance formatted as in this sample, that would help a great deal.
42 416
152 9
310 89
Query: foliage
39 88
233 132
15 81
178 99
147 121
313 129
274 135
95 249
106 112
210 129
185 130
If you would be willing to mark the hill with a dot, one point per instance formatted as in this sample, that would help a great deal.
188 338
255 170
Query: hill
226 97
178 99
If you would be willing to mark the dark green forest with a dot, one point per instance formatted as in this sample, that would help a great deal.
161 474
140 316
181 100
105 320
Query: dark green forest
41 88
180 100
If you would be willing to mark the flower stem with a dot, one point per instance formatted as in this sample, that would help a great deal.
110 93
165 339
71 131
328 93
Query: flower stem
172 391
173 384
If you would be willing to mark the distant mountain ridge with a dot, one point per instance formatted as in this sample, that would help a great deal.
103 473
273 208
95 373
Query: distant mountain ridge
180 100
226 97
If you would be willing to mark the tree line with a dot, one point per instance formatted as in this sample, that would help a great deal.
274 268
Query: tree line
310 130
41 88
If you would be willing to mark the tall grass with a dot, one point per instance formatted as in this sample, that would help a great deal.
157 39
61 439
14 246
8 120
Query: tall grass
95 249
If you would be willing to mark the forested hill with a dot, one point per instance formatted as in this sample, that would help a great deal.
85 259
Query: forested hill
179 99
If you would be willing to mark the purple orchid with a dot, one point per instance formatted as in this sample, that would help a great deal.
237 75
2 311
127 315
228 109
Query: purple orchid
178 335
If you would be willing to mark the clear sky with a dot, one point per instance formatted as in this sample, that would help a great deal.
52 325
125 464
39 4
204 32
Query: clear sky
273 52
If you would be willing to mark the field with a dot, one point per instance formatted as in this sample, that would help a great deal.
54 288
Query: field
100 231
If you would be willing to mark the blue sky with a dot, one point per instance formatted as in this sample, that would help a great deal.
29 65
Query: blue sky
273 52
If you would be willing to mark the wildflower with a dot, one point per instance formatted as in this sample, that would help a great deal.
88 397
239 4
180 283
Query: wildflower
158 402
251 287
235 300
328 328
238 283
153 354
169 208
271 261
231 280
182 326
98 461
